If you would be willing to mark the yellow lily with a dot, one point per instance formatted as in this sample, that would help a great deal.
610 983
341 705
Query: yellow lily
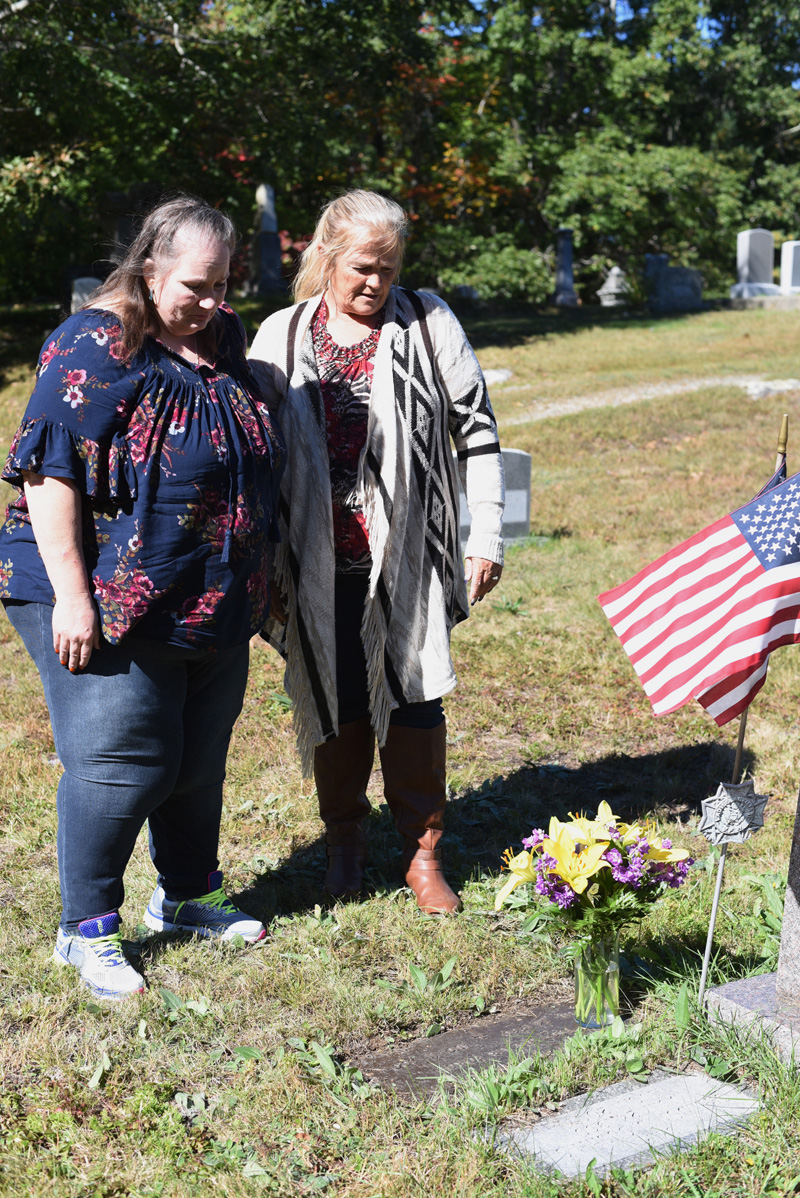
657 852
576 868
521 870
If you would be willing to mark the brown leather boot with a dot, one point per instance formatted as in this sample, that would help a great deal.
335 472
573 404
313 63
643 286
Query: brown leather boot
413 761
342 767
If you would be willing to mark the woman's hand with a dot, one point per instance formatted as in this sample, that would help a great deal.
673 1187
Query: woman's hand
76 630
483 576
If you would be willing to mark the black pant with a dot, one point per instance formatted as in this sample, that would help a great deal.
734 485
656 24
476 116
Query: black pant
352 689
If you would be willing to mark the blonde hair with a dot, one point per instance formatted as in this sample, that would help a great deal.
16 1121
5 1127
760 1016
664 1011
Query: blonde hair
356 216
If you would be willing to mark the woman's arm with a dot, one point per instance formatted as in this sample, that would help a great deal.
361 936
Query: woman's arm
54 505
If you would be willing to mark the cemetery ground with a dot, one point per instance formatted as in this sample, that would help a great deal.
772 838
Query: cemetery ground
243 1072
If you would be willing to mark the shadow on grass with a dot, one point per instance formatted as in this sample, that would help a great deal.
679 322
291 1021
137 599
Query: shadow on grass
483 821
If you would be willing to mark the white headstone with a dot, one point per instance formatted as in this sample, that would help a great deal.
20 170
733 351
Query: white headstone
790 267
82 291
517 514
615 292
755 258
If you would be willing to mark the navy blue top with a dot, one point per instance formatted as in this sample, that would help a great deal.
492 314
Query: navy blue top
179 467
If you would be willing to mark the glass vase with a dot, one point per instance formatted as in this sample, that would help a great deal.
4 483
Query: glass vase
597 983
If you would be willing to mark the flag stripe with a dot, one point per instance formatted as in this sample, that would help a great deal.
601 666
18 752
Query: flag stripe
701 621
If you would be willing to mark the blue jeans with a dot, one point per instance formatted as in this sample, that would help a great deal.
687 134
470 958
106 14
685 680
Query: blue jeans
142 734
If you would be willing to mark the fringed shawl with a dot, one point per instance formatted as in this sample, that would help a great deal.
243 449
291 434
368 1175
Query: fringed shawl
427 386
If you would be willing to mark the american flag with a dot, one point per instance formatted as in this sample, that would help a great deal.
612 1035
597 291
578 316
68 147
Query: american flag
700 622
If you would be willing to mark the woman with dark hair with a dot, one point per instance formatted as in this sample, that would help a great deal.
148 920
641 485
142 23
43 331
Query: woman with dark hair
134 567
370 382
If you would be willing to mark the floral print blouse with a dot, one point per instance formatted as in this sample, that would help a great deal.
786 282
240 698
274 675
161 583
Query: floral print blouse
179 467
345 375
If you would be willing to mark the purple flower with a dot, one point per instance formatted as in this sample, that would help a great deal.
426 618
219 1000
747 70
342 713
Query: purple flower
613 856
536 837
666 844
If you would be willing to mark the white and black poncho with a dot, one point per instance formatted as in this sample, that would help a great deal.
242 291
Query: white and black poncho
427 386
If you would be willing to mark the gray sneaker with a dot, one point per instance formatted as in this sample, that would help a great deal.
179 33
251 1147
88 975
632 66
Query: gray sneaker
96 952
211 914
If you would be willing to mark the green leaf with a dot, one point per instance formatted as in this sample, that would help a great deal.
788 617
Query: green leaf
683 1016
418 978
103 1068
245 1053
253 1169
447 968
171 1001
324 1059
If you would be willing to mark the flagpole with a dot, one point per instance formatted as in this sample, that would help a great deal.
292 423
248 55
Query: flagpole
783 438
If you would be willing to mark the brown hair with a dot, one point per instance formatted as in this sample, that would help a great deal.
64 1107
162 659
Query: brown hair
355 216
124 291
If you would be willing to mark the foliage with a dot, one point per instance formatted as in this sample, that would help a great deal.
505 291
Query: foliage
596 874
499 270
661 126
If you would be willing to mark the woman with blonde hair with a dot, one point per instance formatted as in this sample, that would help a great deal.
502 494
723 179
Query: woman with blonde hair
370 381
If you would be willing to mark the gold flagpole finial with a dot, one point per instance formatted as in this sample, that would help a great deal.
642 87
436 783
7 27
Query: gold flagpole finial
784 434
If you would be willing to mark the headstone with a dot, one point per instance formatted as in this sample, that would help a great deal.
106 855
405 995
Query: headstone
265 259
676 289
653 264
629 1124
771 1002
790 267
565 296
615 292
755 259
517 514
416 1067
82 291
465 292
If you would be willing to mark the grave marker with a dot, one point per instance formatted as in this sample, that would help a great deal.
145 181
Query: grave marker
790 267
565 296
82 291
755 258
517 514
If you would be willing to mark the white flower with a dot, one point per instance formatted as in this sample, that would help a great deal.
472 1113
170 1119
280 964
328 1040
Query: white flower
100 336
73 397
135 543
176 428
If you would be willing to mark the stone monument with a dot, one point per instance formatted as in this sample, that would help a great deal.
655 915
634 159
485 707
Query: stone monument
265 256
755 258
790 267
615 292
564 295
771 1001
677 289
517 514
82 291
671 288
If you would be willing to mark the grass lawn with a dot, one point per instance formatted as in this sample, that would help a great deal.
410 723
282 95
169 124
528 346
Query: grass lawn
211 1082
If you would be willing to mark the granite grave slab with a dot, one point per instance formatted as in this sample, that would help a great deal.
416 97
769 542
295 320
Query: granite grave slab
631 1123
414 1068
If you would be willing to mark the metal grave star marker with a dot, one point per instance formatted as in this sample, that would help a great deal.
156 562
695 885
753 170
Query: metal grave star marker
733 813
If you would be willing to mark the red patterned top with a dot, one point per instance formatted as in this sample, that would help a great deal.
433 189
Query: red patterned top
345 374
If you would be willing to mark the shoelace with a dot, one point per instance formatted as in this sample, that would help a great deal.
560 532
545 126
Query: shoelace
217 898
109 948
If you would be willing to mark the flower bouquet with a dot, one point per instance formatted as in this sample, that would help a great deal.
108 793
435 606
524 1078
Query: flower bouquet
597 875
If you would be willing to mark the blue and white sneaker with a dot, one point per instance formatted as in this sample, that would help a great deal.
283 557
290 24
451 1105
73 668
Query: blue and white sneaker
211 914
96 952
